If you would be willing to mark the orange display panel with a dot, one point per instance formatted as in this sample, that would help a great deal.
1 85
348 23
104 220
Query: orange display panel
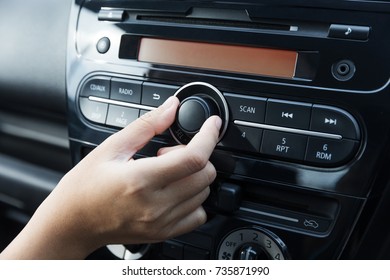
229 58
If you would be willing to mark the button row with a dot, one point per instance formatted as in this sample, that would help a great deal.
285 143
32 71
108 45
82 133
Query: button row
114 92
308 149
296 115
304 132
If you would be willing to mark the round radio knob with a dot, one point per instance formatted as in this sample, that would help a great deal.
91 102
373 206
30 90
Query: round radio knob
198 102
194 111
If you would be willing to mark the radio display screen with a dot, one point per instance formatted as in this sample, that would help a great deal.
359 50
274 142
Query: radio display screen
229 58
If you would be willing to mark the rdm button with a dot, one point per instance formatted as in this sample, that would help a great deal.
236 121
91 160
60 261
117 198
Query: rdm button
329 152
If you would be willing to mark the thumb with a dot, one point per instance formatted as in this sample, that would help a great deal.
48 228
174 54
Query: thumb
137 134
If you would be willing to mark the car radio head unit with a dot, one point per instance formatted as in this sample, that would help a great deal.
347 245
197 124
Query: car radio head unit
294 85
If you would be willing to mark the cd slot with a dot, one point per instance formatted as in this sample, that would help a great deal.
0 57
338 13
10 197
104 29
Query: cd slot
208 17
217 22
231 20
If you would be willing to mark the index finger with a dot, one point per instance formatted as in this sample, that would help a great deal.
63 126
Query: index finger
180 163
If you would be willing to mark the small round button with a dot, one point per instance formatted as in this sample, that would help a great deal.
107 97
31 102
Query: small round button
103 45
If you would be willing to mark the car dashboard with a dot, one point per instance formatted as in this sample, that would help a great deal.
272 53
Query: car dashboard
302 89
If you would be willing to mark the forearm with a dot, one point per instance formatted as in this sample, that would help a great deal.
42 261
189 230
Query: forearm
50 234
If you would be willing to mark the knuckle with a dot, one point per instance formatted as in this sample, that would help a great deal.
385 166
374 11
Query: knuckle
200 217
211 172
147 120
196 161
150 216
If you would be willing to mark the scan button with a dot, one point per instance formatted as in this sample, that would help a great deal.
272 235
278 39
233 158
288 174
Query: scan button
246 108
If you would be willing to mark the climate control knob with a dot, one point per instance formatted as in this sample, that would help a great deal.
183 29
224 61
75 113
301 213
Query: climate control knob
252 243
198 102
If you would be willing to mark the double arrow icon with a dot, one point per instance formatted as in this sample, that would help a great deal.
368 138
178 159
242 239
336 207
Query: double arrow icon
287 115
331 121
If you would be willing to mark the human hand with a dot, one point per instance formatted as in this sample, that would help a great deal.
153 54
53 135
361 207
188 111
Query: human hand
111 198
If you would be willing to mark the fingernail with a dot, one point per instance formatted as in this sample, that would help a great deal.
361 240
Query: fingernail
218 123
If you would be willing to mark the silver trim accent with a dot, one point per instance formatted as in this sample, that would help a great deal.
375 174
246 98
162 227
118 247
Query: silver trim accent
290 130
225 118
82 142
280 217
121 103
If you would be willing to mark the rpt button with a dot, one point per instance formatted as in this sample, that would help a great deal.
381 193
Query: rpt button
285 145
246 108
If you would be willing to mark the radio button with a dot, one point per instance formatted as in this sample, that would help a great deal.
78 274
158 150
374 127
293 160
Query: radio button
288 114
155 94
119 116
333 120
328 152
93 111
99 87
126 90
242 138
285 145
246 108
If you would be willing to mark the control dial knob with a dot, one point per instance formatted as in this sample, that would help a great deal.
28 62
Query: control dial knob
252 243
198 102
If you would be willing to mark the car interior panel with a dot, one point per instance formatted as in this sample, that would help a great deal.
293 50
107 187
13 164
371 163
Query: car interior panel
302 88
